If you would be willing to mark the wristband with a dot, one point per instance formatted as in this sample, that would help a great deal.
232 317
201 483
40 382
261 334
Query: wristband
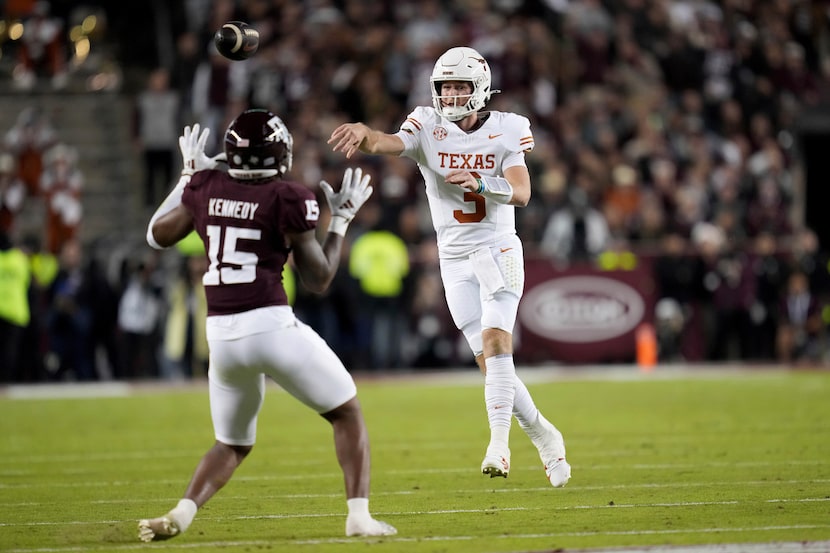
338 225
497 189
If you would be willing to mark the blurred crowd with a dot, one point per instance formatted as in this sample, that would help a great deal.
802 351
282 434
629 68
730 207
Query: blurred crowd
665 133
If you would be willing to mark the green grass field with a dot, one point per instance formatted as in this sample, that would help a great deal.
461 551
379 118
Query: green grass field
661 458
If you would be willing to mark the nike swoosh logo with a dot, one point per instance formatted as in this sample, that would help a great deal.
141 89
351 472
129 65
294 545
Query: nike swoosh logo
502 250
492 136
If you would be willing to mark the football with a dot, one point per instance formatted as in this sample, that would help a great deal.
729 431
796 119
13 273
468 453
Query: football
236 40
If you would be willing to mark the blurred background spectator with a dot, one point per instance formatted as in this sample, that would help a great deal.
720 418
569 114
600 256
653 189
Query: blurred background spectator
42 53
139 317
157 129
60 185
15 279
185 349
12 192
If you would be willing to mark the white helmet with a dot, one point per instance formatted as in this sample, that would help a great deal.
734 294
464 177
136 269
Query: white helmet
461 64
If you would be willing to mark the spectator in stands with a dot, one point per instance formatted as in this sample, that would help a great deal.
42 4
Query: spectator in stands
807 256
769 266
61 183
157 133
189 54
31 135
15 278
12 192
185 347
379 260
576 233
43 49
139 315
800 327
69 319
45 267
731 290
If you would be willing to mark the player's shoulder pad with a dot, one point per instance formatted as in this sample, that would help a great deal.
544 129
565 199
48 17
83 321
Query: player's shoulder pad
201 178
517 134
292 190
298 202
421 117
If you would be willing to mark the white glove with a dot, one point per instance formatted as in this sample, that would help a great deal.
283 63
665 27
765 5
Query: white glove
192 144
345 204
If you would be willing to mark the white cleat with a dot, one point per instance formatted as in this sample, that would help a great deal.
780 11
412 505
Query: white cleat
496 463
551 448
370 527
156 529
558 472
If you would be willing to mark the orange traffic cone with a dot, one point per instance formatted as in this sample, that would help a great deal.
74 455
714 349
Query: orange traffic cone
646 343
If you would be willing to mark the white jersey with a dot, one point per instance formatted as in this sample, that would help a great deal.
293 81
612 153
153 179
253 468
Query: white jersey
465 221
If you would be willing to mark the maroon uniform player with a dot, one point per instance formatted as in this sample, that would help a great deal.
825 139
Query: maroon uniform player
249 220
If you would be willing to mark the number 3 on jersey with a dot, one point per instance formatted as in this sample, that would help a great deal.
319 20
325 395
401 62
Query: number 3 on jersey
244 269
477 215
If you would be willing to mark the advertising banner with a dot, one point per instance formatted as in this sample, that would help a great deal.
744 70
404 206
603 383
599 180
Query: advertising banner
581 314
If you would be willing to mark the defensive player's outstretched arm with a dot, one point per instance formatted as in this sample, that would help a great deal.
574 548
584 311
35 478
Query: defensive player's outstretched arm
170 227
315 263
171 222
351 137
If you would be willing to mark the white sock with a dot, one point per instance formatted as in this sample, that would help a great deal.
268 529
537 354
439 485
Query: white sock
524 408
530 419
499 391
184 513
358 507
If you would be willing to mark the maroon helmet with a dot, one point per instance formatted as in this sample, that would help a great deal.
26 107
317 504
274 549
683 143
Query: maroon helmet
258 145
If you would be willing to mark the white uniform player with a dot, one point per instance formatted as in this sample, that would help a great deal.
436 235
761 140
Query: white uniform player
475 175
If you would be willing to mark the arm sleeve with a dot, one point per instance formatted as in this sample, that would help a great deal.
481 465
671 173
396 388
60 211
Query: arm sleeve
173 200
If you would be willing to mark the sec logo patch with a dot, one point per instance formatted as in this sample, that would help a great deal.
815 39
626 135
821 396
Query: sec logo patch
440 133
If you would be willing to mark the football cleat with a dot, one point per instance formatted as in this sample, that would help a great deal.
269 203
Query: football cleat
371 527
558 472
496 463
156 529
548 440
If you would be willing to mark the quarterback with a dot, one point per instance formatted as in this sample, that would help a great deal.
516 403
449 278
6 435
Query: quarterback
250 218
475 174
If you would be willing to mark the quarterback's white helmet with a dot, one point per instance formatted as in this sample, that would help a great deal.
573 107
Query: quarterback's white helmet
461 64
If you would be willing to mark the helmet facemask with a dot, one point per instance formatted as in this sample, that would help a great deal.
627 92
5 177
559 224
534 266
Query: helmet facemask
460 64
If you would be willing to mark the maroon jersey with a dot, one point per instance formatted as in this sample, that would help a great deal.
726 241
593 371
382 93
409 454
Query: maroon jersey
244 227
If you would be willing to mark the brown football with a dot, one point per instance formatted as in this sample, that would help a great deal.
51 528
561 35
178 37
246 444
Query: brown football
236 40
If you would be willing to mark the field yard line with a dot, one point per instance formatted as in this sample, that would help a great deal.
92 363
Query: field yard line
26 460
336 495
35 485
778 547
433 512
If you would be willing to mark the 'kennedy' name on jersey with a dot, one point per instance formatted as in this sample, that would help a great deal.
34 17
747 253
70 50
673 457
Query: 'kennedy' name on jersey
222 207
467 161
